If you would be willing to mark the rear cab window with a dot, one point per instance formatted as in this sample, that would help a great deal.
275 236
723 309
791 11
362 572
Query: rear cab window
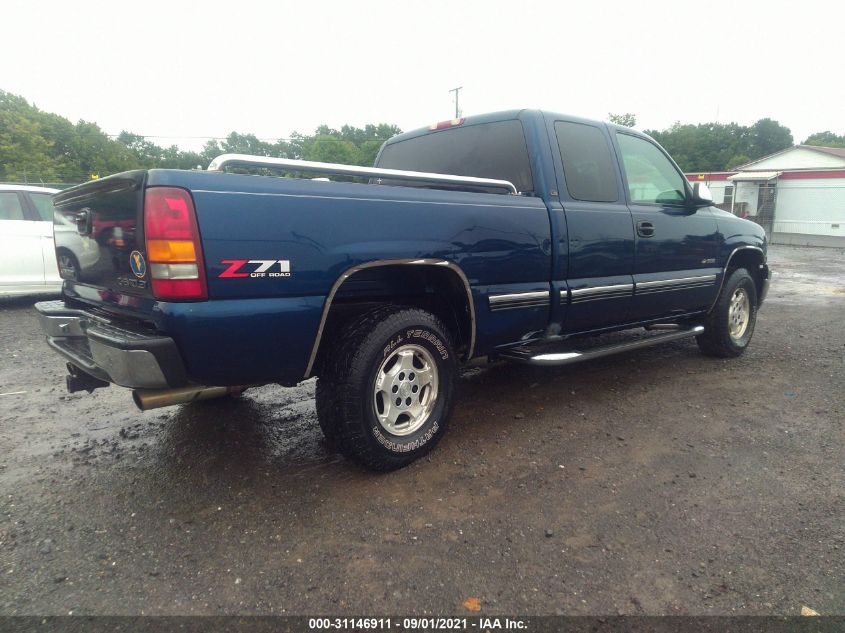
483 150
651 176
587 162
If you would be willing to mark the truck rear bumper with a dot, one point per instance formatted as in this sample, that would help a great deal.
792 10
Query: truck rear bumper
111 351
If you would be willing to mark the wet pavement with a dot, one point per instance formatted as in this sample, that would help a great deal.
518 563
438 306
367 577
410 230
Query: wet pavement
656 482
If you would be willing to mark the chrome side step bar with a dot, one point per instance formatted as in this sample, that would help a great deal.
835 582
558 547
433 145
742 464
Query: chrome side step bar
531 356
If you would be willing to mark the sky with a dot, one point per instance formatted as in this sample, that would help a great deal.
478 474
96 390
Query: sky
180 71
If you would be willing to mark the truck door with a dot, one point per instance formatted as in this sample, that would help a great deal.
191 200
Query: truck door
676 247
598 222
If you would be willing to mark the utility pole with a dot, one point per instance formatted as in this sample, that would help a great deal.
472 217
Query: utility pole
457 110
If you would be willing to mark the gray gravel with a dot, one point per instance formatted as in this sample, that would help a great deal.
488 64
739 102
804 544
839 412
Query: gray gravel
657 482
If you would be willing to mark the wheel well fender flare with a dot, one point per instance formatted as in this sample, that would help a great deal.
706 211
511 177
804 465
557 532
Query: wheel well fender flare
727 267
440 263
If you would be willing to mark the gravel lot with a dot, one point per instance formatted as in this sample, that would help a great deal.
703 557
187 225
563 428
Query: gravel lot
657 482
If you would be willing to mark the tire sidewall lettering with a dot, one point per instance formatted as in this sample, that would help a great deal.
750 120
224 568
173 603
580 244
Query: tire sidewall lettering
406 447
391 345
426 338
432 338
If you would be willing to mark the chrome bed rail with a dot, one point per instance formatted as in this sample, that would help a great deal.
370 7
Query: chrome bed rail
290 164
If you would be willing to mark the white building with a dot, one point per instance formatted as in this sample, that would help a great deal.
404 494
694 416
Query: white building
797 195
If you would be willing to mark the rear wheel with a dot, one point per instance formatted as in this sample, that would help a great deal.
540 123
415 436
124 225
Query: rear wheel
730 324
385 392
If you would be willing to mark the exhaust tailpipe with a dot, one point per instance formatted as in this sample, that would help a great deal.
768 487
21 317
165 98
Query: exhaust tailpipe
147 399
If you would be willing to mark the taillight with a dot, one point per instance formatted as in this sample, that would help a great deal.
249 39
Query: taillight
174 251
442 125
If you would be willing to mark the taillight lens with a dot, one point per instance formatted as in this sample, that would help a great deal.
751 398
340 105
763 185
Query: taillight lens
174 250
442 125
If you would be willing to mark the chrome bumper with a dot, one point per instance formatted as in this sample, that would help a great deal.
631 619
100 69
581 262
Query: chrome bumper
110 351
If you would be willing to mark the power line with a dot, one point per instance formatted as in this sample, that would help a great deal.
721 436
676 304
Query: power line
311 138
209 138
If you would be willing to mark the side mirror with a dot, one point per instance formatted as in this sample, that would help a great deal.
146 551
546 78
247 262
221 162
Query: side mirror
701 196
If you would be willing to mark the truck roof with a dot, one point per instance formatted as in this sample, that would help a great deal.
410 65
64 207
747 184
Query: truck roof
503 115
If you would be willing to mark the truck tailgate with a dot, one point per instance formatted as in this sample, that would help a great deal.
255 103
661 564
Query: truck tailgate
98 227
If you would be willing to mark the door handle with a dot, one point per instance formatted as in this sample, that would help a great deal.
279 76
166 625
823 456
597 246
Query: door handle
645 229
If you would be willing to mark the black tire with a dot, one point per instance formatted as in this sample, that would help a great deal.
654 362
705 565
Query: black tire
717 339
347 402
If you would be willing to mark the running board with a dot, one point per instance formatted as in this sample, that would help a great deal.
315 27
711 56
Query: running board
529 356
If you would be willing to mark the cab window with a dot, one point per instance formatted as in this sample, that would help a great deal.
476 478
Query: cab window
484 150
587 164
651 177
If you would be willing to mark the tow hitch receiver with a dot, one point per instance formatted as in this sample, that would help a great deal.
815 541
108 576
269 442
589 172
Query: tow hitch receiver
78 380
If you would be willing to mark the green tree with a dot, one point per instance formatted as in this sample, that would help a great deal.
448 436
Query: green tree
367 152
328 148
349 145
147 154
767 137
702 147
38 146
98 155
174 158
24 153
721 146
627 119
825 139
736 161
237 143
211 150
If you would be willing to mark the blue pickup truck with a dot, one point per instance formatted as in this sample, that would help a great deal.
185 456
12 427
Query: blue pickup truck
516 236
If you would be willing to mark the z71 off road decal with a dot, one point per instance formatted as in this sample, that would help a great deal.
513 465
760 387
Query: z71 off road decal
244 268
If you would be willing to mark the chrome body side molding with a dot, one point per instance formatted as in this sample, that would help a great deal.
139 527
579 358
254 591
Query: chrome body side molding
391 262
682 283
594 293
513 301
621 291
309 166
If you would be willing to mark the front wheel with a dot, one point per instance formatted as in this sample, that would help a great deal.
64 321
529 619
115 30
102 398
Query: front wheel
730 324
385 392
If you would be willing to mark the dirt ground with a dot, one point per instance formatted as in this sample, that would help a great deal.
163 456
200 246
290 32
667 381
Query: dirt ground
656 482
